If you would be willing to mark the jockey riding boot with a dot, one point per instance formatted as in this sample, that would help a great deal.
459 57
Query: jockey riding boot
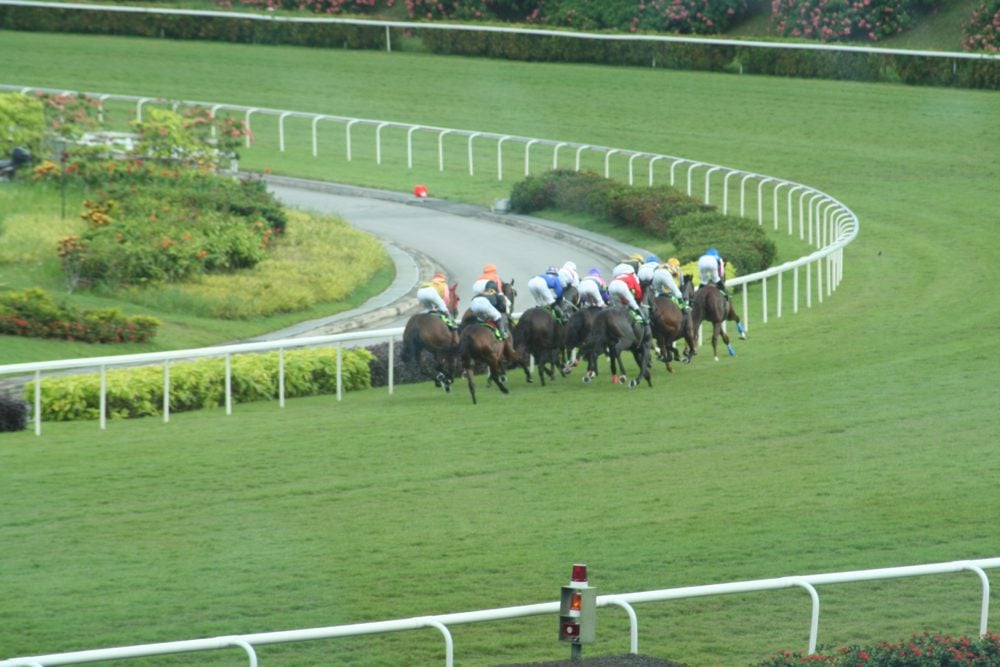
638 316
722 288
501 329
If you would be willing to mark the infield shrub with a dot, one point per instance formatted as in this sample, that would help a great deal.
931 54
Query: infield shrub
740 241
13 414
33 312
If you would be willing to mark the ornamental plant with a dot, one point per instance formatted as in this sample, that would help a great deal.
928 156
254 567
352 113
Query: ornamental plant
23 122
982 32
926 650
833 20
33 312
315 6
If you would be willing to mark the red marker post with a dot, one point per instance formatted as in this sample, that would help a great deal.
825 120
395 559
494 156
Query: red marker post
578 612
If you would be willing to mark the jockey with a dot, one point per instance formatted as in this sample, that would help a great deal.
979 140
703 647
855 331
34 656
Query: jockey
627 290
665 283
594 290
490 307
569 276
489 273
645 272
547 288
713 270
435 296
634 261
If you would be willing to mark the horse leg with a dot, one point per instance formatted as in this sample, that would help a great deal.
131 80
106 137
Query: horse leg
498 376
472 385
725 339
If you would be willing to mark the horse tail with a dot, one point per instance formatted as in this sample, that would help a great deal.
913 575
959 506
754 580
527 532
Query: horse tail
411 347
464 353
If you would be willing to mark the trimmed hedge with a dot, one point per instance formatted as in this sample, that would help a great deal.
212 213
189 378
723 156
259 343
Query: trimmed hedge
662 211
194 385
171 26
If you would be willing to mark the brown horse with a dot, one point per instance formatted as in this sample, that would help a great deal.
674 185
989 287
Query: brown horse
478 343
427 332
710 305
614 330
539 334
670 324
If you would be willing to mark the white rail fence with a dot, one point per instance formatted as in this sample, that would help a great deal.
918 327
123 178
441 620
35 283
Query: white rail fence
417 25
816 218
441 623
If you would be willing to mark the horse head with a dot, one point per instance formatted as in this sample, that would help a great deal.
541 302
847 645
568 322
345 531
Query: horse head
453 296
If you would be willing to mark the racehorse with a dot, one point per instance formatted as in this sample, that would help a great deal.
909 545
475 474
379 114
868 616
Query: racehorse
428 332
577 330
670 324
478 342
613 331
710 304
539 334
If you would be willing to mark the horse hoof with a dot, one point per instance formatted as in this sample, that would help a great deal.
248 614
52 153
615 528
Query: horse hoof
447 389
587 378
633 384
502 379
732 352
622 379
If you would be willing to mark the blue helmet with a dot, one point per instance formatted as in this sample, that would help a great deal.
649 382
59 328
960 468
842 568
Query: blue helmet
553 270
713 252
652 259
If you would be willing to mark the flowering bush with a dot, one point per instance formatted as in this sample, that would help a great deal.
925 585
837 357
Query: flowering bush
831 20
315 6
684 16
23 123
34 313
982 32
924 650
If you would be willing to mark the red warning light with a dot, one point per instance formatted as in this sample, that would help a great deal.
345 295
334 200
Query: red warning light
579 574
575 602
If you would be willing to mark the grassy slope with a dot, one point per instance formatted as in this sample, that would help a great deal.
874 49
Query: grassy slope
859 434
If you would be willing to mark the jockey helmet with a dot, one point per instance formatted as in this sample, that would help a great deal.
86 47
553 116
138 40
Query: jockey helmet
571 266
637 257
673 261
439 276
490 268
652 259
713 252
627 269
552 270
594 272
490 287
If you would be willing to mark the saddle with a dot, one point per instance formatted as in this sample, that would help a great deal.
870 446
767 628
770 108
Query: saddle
496 330
446 319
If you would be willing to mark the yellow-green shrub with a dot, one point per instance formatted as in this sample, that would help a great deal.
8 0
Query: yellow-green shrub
138 392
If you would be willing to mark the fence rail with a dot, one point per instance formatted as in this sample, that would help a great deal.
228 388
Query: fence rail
818 219
442 622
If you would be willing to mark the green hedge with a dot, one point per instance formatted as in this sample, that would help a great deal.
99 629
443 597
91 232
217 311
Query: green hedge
170 26
194 385
663 212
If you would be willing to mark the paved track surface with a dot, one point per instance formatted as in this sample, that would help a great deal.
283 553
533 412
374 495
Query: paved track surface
427 235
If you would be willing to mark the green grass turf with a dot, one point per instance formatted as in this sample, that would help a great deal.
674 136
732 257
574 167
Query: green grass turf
860 433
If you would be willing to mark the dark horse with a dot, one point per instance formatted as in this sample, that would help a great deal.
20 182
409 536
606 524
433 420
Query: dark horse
478 343
539 334
577 330
670 324
614 330
428 332
710 305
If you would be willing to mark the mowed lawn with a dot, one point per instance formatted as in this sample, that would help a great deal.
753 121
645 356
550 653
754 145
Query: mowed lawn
859 433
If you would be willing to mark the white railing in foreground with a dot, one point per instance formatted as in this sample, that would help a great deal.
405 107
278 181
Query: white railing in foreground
441 622
817 218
